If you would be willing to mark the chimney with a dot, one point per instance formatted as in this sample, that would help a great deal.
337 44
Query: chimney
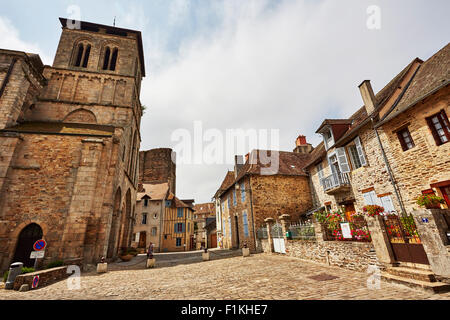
238 163
302 146
247 156
301 141
368 96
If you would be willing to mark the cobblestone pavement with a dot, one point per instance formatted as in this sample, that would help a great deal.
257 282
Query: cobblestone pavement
259 277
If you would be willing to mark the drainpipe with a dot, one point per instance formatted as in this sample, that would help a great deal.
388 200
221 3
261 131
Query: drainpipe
391 175
251 208
8 75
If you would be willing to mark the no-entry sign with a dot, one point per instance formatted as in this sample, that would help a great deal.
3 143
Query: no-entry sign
39 245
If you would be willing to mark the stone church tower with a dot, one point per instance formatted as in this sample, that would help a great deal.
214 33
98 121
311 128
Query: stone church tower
69 146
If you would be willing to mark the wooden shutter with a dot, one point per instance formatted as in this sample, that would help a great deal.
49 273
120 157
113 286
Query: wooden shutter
434 131
360 150
446 125
342 160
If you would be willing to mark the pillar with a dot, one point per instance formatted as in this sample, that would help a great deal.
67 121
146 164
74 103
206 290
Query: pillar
432 231
380 240
284 218
269 223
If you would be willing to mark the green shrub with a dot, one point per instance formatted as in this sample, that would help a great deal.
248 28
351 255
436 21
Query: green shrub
55 264
24 271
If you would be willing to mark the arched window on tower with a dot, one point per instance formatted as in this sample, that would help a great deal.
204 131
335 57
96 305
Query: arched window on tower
81 58
110 59
79 55
114 60
86 56
106 59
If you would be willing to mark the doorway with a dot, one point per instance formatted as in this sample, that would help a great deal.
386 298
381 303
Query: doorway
28 236
142 240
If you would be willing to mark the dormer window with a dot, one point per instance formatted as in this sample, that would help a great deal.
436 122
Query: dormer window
110 59
83 51
328 139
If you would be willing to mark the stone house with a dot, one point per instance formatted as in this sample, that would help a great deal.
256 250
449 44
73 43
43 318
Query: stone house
203 211
362 159
417 133
256 191
69 142
150 209
178 225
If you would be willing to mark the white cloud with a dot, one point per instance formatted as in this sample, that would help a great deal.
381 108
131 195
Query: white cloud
178 11
287 67
10 39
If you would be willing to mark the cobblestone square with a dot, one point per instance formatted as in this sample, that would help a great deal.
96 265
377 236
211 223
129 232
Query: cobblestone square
259 277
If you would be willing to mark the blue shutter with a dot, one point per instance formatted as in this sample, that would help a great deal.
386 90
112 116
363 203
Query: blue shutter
183 227
245 222
229 222
234 197
176 231
243 192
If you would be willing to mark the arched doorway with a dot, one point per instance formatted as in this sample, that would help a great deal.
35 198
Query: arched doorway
27 237
114 225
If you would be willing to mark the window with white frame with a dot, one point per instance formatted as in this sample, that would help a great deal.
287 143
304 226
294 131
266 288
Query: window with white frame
371 198
387 204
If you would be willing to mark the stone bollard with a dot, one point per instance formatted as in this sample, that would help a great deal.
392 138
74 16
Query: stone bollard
151 263
102 267
14 270
245 252
205 256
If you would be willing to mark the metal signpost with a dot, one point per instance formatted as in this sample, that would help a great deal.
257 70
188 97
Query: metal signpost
39 252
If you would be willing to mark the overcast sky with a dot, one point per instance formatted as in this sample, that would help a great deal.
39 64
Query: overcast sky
282 65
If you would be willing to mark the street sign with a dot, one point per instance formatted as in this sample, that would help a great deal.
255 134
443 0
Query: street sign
39 245
35 282
37 254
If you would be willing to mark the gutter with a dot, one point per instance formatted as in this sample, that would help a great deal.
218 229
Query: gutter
8 75
251 208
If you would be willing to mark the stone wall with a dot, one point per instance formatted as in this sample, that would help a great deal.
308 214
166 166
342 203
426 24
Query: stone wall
46 277
158 166
349 255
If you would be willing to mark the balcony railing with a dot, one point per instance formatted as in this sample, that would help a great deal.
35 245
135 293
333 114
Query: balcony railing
335 181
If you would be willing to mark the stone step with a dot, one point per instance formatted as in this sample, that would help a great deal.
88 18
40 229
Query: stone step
433 287
415 274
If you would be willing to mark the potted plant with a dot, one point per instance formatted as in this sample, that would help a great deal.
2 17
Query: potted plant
125 256
430 201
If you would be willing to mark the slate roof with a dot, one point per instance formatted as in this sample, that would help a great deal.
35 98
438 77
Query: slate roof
432 75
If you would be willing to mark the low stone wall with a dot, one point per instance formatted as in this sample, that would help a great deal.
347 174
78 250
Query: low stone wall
355 256
349 255
46 277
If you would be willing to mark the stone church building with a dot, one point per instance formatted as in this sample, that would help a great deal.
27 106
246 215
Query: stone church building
69 146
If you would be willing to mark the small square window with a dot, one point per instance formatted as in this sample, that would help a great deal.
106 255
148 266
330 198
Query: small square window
405 139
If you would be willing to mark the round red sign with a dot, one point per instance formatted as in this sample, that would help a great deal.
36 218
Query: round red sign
39 245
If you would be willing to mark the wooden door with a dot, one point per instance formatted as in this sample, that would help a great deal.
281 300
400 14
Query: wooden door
213 242
143 240
349 211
